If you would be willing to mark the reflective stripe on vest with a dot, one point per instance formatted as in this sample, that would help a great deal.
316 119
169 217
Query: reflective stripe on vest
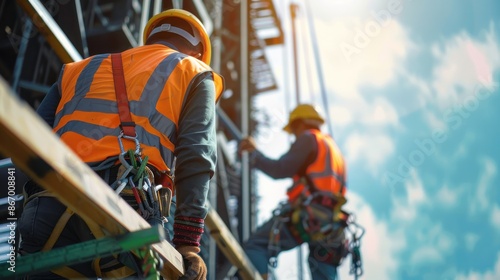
157 79
326 173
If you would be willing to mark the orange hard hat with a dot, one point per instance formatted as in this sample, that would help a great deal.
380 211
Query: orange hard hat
155 26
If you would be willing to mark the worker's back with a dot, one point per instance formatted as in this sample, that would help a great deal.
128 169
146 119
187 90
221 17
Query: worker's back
157 79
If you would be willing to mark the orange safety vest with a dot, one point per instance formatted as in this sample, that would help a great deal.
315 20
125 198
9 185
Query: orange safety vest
157 80
326 173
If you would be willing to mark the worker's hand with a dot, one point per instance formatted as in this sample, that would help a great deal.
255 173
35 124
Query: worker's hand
194 266
247 144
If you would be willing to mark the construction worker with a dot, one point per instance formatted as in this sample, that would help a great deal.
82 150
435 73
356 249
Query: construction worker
152 103
319 184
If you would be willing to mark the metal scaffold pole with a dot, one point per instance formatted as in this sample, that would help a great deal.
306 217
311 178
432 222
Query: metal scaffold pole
245 184
293 12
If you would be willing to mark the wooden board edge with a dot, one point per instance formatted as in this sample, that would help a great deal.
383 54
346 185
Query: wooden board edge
33 147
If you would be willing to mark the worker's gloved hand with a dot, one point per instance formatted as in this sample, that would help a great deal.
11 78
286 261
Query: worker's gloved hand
247 144
194 266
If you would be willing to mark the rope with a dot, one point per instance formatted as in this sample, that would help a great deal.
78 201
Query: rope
309 71
274 245
354 248
356 264
319 68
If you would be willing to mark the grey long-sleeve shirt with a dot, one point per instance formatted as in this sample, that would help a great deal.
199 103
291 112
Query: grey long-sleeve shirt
295 161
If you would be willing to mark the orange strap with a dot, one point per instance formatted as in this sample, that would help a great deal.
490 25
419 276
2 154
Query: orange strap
126 123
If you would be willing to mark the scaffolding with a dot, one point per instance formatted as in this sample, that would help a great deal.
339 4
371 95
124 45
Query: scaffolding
38 37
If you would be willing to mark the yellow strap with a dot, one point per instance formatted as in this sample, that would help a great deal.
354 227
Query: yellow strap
121 272
296 216
68 273
94 228
65 271
96 267
44 193
63 220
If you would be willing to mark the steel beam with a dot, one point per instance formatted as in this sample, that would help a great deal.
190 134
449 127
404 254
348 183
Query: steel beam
54 35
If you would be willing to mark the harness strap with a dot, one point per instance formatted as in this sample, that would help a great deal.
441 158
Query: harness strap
68 273
61 223
44 193
126 123
123 271
111 269
96 267
274 245
64 271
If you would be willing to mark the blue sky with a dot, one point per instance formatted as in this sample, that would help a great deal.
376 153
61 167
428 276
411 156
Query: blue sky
413 95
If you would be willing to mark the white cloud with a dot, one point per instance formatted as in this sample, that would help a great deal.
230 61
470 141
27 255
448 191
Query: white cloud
493 274
360 147
380 112
495 217
462 64
433 244
462 150
417 98
341 115
435 121
375 65
380 246
448 197
481 199
426 255
415 190
405 209
471 241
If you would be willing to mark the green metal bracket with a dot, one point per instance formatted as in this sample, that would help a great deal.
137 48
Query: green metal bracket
82 252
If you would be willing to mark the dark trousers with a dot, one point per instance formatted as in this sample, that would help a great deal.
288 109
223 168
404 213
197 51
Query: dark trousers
40 216
257 251
36 223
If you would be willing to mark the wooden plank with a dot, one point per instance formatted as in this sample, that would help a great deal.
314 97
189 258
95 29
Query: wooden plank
230 246
34 148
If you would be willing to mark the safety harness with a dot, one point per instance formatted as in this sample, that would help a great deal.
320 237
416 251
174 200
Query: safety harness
134 183
319 219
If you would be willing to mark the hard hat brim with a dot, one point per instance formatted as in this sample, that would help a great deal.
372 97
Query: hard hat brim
288 128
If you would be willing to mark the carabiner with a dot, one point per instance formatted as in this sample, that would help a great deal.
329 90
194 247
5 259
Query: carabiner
137 144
